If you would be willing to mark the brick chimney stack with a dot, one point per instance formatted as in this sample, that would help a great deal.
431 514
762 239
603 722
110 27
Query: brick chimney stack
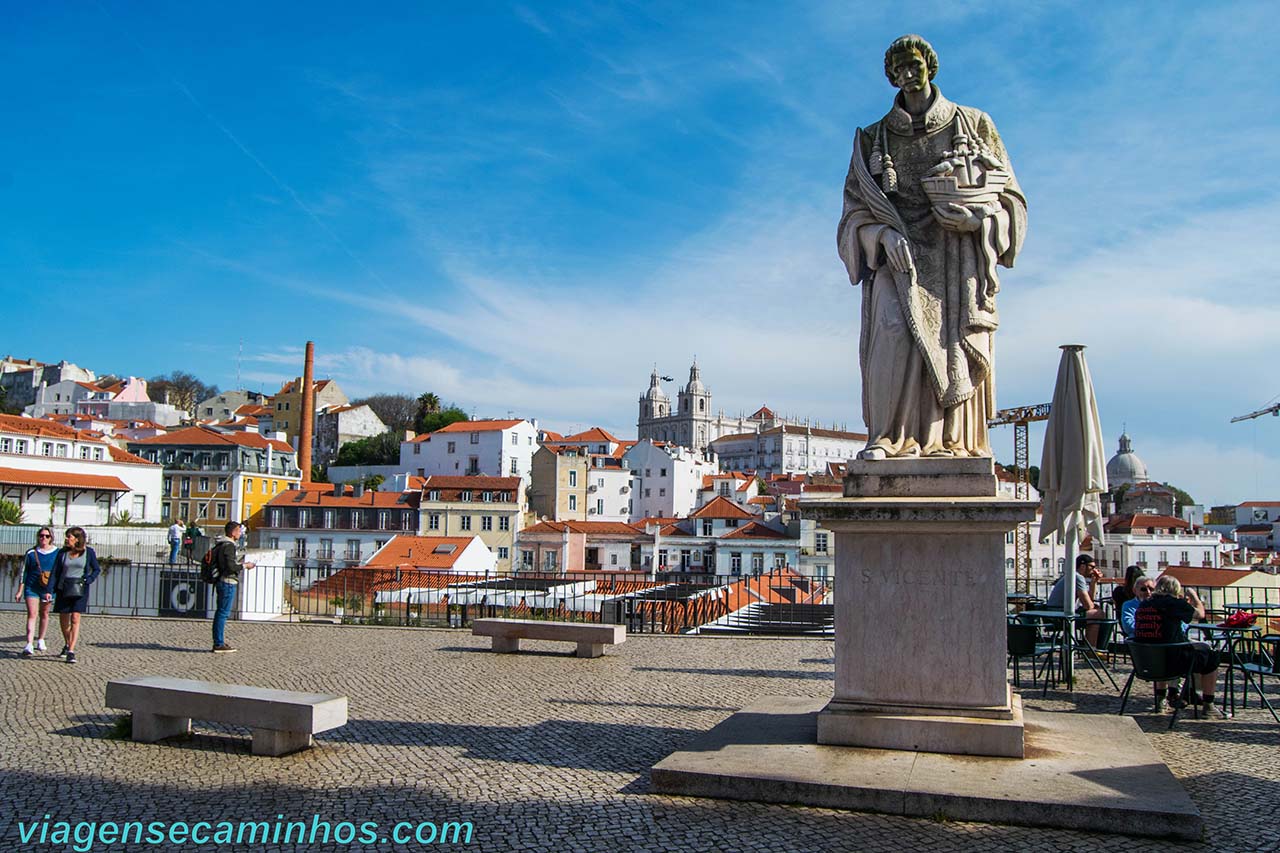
308 412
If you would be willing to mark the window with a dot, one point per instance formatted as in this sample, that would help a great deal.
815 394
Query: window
706 527
248 485
475 438
167 486
378 544
140 507
384 519
648 472
646 492
61 450
300 547
184 510
274 518
757 563
304 516
453 447
433 495
526 558
325 551
1164 556
779 560
573 479
204 484
46 448
19 445
514 468
1008 538
820 543
353 549
166 510
515 439
487 497
613 559
599 506
662 493
1044 562
486 522
1185 559
184 486
504 553
504 523
417 448
464 522
433 521
1008 564
662 472
549 560
1142 558
465 495
662 558
328 519
573 502
84 453
473 465
735 562
6 445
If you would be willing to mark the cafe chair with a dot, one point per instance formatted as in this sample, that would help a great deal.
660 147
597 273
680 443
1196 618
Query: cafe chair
1154 662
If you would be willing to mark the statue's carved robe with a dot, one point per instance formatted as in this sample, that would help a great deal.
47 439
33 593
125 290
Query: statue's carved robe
928 381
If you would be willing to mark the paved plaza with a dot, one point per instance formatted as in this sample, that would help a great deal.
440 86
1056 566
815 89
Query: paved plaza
540 751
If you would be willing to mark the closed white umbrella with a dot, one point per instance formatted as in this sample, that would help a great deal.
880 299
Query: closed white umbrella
1073 471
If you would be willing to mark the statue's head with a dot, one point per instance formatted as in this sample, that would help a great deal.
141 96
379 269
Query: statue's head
907 58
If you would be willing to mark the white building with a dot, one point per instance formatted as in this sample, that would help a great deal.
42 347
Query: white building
666 479
124 400
722 538
20 378
1155 541
492 448
1258 512
61 476
340 424
787 449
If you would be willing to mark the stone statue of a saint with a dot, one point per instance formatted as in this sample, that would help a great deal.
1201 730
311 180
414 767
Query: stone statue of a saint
931 208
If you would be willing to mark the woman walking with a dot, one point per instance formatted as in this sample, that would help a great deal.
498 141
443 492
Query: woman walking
34 589
75 568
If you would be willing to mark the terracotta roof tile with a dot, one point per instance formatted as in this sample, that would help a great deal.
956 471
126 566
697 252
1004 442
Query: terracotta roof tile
599 528
478 426
326 497
755 530
204 436
118 455
61 480
423 552
720 507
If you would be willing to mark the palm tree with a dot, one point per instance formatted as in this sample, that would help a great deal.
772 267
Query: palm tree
429 403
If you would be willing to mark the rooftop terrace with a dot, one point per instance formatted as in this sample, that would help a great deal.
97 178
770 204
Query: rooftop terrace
540 751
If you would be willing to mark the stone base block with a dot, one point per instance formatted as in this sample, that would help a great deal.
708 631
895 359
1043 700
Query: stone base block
506 645
272 742
1090 772
149 728
917 478
590 650
840 725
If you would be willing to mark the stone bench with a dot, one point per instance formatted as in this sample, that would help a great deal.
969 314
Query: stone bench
591 637
282 721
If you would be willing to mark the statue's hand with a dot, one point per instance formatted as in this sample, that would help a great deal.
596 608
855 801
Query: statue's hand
897 249
956 217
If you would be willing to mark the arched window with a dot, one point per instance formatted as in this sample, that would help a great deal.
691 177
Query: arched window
1008 564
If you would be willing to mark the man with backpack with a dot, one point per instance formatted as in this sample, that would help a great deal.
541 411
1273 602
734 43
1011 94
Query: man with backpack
222 566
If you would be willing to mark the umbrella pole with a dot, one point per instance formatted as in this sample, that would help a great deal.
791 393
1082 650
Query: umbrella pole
1069 610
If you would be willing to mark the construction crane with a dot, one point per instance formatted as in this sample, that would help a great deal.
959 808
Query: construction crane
1269 410
1020 417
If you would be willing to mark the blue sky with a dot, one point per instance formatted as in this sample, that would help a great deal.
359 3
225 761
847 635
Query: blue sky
523 207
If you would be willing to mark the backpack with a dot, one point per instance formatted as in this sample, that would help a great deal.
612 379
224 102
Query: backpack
209 565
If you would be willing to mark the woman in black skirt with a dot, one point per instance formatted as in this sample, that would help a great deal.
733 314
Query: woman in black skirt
75 568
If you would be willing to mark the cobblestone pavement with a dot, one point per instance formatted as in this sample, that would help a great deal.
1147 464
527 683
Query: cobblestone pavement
540 751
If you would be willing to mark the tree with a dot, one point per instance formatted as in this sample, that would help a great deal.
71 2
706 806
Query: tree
397 411
374 481
5 407
432 421
376 450
318 474
185 390
1033 474
1180 498
10 513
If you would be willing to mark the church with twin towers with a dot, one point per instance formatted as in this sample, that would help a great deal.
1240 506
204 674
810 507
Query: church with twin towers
693 423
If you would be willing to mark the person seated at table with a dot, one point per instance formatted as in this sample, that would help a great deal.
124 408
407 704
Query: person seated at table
1087 577
1143 588
1163 618
1125 592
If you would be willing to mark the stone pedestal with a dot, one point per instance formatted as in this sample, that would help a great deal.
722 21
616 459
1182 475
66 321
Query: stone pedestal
920 608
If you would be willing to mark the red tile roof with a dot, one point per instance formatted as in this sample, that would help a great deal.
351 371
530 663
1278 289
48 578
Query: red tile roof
118 455
487 425
720 507
593 434
755 530
61 480
1194 576
1260 503
36 426
1142 521
326 497
761 414
451 487
203 436
597 528
423 552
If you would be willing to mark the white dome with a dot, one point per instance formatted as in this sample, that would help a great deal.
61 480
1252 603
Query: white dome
655 391
1125 468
